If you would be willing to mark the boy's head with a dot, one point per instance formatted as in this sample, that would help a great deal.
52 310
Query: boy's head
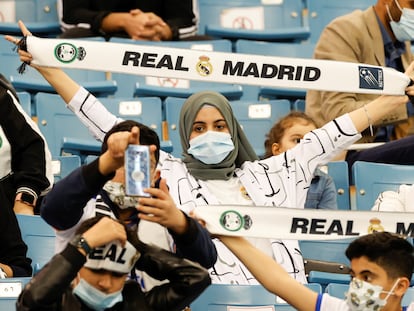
381 266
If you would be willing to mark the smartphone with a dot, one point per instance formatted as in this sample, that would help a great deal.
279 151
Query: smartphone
137 170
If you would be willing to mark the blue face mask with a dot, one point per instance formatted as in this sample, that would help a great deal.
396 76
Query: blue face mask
211 147
404 29
94 298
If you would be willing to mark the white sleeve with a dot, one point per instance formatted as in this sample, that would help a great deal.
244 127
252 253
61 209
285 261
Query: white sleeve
394 201
92 113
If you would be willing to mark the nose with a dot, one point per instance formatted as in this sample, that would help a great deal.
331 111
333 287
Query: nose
105 282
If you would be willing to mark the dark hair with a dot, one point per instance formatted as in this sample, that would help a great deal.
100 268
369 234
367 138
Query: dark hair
147 136
278 129
390 251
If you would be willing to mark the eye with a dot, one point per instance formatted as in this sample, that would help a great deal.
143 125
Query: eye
198 128
297 140
220 126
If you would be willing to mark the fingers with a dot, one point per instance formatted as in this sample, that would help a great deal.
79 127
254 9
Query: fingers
23 29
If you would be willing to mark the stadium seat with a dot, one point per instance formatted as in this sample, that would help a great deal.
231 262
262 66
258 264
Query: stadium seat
64 165
370 179
257 118
129 85
322 12
299 105
220 297
276 49
25 102
338 170
39 238
254 19
40 16
10 289
65 134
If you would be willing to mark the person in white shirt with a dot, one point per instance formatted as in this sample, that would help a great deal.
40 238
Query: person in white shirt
381 268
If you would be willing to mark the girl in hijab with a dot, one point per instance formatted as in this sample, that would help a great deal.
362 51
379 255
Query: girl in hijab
219 165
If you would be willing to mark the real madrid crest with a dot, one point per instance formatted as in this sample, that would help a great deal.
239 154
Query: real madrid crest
67 52
204 67
234 221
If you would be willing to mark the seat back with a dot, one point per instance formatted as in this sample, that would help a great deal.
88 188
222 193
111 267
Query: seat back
254 19
370 179
129 85
10 289
322 12
276 49
64 165
257 118
25 102
219 297
66 134
338 170
39 238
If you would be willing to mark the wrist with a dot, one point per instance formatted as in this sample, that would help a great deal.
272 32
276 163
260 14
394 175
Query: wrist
81 244
27 197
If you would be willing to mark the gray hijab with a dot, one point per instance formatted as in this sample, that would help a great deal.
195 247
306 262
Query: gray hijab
242 152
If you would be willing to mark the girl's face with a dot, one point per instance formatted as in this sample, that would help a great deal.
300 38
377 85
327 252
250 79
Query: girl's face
292 137
208 119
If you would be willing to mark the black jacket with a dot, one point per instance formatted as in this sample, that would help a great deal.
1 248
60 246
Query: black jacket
50 288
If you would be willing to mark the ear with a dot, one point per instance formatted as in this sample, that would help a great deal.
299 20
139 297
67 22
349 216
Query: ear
402 286
276 149
155 177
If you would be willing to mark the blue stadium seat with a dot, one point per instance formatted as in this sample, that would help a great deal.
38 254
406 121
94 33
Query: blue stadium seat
217 297
65 134
282 21
10 289
39 238
370 179
40 17
25 102
338 170
129 85
322 12
257 117
277 49
299 105
64 165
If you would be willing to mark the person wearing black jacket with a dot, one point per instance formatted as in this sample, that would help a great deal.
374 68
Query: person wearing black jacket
156 20
97 189
90 274
25 173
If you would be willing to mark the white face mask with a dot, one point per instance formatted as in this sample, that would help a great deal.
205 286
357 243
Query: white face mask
116 192
211 147
404 29
363 296
94 298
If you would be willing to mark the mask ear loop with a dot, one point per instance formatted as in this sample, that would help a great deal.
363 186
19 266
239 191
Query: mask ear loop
391 291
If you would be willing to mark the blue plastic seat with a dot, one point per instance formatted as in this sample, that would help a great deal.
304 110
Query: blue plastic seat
370 179
217 297
39 16
64 165
257 118
338 170
39 238
321 12
140 86
25 102
65 133
283 21
10 290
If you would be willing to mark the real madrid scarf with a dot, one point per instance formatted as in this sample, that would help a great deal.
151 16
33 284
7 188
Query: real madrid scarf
147 60
300 224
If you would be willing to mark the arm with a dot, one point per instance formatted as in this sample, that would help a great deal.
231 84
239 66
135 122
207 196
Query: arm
26 142
187 280
191 239
271 275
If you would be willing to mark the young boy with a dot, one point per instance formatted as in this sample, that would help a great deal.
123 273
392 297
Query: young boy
381 268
